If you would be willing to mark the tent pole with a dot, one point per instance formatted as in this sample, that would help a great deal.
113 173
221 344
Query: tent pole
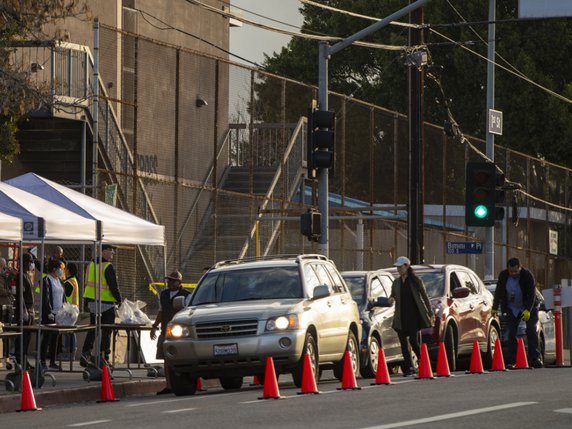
39 334
21 318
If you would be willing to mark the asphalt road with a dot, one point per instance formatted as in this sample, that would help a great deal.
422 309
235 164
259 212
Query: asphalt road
540 398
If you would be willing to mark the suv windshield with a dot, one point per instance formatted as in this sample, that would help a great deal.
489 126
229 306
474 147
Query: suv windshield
357 288
249 284
434 283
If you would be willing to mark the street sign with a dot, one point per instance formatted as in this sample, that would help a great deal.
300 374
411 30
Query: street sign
495 122
458 247
552 242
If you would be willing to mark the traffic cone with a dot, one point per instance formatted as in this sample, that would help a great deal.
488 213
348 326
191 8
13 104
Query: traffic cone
200 387
348 377
107 394
498 360
270 390
382 373
476 361
521 359
308 379
255 381
442 362
424 364
27 403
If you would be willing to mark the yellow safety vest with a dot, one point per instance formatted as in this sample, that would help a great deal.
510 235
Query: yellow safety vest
38 287
92 281
74 297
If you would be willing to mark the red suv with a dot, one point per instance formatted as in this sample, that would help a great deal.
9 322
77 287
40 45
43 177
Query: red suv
462 306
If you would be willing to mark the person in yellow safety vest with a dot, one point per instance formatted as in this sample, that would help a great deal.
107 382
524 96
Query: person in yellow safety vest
110 296
71 288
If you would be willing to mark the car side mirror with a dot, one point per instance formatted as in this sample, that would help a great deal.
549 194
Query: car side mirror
179 303
381 301
321 292
461 292
542 306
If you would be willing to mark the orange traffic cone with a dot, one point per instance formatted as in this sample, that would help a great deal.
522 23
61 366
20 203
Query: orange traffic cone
27 403
521 359
382 373
442 362
255 381
348 377
107 394
308 379
200 387
476 361
424 364
270 390
498 360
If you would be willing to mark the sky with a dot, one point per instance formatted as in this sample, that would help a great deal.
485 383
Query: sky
250 42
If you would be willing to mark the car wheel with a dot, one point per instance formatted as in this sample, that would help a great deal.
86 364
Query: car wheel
491 342
182 384
229 383
311 349
352 348
369 370
450 348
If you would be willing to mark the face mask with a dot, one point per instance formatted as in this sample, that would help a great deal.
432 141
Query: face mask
60 272
31 267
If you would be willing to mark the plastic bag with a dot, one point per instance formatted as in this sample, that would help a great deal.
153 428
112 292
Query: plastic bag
67 315
131 313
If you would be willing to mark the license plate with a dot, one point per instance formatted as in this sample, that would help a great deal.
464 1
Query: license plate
225 349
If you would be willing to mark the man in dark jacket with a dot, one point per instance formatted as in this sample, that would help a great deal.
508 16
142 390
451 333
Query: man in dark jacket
516 294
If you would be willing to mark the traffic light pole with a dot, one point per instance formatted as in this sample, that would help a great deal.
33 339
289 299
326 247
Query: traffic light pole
490 148
324 55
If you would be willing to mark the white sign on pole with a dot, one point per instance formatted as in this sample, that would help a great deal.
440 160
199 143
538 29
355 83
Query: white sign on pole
552 242
495 122
544 8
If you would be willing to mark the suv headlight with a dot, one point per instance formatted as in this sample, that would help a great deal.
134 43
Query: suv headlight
177 331
282 323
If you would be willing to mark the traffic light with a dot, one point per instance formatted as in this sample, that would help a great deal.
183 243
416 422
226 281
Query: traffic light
480 200
320 139
311 224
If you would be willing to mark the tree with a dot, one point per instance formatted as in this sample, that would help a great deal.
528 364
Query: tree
535 122
25 22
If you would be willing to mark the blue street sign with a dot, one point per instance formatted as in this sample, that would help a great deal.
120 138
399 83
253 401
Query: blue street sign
457 247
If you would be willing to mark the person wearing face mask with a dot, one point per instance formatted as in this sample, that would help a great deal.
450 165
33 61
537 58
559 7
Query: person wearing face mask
53 300
166 312
27 318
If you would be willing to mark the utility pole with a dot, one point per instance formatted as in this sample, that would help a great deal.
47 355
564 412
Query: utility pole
415 212
490 148
324 55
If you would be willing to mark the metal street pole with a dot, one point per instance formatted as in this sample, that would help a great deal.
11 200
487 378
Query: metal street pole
324 55
490 149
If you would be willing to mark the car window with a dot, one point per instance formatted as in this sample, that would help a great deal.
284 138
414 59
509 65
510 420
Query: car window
377 289
338 282
311 279
454 282
252 284
387 282
476 282
324 277
357 288
466 281
434 283
205 291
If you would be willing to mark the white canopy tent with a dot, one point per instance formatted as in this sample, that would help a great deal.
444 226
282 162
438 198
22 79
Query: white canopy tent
117 226
10 228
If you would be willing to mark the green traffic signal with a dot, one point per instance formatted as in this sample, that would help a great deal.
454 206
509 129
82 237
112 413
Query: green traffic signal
481 212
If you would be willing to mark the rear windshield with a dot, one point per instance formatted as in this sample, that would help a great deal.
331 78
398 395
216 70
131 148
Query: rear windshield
357 288
249 284
434 283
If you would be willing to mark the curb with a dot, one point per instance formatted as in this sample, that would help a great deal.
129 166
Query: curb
83 394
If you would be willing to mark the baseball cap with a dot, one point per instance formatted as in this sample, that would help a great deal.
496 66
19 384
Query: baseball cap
402 260
107 247
175 275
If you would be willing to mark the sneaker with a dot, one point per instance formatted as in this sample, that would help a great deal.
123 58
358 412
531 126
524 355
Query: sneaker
537 363
84 360
510 366
411 371
54 367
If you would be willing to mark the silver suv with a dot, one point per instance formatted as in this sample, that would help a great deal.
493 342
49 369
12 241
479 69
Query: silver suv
243 311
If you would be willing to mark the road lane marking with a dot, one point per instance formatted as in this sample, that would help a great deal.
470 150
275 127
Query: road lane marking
93 422
564 410
452 415
180 410
164 401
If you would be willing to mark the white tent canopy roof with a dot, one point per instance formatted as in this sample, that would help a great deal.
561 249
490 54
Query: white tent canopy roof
118 226
58 223
10 228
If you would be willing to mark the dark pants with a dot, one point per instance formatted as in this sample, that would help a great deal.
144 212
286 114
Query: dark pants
107 318
49 340
531 336
406 340
25 339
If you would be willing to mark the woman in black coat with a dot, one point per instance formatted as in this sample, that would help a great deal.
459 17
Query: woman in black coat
53 300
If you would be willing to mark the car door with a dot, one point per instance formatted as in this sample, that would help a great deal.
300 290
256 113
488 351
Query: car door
381 287
483 305
460 309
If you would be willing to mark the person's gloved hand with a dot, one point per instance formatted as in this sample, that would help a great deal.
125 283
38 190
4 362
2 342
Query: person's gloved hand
51 317
525 315
494 312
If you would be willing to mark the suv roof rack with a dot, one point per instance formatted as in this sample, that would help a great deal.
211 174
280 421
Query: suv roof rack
297 257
